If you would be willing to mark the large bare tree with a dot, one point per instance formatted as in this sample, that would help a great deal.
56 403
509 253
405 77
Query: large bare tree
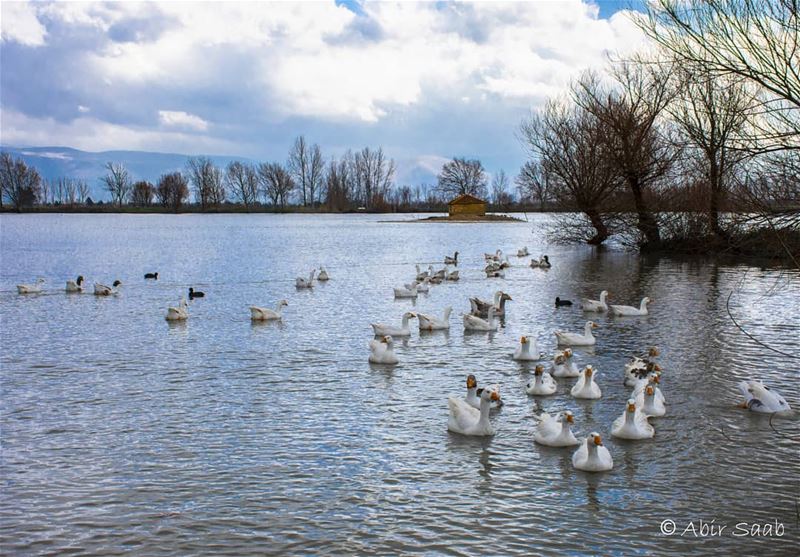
142 194
117 182
373 174
276 183
339 183
629 114
462 176
568 142
757 40
242 181
172 190
307 167
713 113
19 184
206 180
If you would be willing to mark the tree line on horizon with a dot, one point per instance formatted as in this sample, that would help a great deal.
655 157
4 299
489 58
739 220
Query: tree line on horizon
360 180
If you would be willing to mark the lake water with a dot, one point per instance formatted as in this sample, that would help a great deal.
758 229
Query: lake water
122 433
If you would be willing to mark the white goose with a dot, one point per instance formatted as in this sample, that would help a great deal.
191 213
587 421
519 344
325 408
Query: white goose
576 339
266 314
595 305
421 275
475 323
563 365
179 313
552 434
430 323
760 398
523 252
34 288
323 274
542 383
493 256
467 420
74 286
300 282
402 331
528 350
103 290
473 394
592 456
382 351
632 424
453 276
585 387
406 291
652 380
423 286
630 311
651 406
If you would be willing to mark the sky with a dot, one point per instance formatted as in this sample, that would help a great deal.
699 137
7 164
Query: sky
426 81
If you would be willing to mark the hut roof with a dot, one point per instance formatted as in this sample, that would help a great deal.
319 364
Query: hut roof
466 199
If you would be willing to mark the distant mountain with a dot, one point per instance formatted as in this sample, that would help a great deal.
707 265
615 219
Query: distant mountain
57 162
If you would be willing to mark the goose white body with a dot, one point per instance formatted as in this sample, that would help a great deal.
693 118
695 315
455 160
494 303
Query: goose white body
527 350
402 331
632 424
760 398
595 305
542 383
430 323
564 366
630 311
74 286
523 252
34 288
651 406
178 313
323 275
104 290
301 282
592 456
267 314
407 291
577 339
475 323
552 433
382 351
466 420
585 387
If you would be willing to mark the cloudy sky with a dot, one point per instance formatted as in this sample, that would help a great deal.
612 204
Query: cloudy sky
427 81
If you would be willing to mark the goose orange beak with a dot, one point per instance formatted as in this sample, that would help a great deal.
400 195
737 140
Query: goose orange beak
598 441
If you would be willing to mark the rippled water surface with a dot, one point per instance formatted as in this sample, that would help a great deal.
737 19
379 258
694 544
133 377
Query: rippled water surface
122 433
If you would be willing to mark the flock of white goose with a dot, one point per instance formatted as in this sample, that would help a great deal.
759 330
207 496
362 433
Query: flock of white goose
470 415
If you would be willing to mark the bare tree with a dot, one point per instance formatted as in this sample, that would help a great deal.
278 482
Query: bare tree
713 112
307 166
276 183
20 184
172 190
339 183
117 182
206 180
533 183
143 192
629 114
242 180
372 175
568 142
757 40
461 176
500 195
83 190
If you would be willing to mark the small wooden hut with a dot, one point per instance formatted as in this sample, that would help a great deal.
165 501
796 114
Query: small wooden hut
466 205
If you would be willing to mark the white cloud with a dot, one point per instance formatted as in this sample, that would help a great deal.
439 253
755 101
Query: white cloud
181 119
83 109
20 24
